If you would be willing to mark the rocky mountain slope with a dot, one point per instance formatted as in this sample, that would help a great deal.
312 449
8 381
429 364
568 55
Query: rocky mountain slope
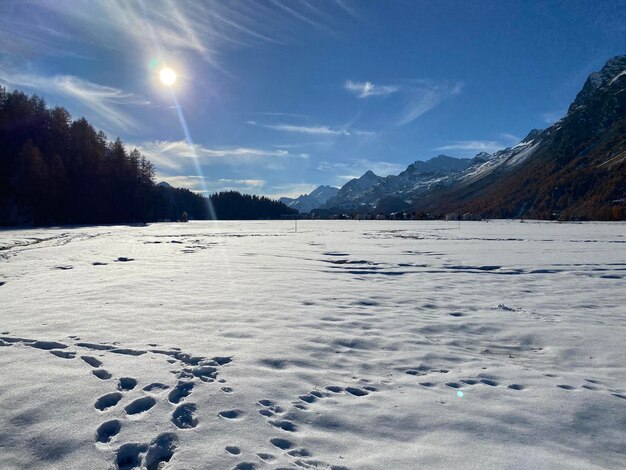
366 192
307 202
575 168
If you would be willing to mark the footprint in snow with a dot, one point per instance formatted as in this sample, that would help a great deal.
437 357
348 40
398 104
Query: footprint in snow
282 444
357 392
64 354
230 414
107 430
284 424
47 345
149 456
92 361
140 405
102 374
266 457
233 450
470 381
184 417
155 387
491 383
566 387
126 383
180 392
245 466
108 401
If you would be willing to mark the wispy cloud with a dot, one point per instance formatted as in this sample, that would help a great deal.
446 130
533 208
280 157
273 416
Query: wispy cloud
312 130
252 183
106 103
505 140
171 156
425 95
204 27
472 145
365 89
475 146
319 130
412 98
202 184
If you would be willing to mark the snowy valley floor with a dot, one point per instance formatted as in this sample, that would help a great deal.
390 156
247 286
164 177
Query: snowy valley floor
346 345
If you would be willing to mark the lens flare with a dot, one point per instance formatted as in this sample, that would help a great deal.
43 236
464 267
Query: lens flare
167 76
459 393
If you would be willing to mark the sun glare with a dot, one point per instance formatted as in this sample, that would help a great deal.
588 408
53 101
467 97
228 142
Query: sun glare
167 76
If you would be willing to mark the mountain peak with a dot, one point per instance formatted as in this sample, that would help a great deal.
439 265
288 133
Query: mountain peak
613 70
440 163
532 135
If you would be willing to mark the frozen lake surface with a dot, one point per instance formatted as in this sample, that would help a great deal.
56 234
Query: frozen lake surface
346 345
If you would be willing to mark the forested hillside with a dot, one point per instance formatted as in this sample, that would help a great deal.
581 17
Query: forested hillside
57 171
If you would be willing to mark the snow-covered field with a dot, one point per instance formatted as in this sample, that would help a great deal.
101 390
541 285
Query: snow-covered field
360 345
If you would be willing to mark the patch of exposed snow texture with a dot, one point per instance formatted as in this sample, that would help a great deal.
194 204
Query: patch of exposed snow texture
616 77
360 345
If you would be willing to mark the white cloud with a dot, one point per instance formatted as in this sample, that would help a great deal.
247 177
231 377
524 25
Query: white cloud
203 185
249 183
365 89
105 102
175 156
413 98
193 183
505 139
148 27
319 130
311 130
488 146
424 96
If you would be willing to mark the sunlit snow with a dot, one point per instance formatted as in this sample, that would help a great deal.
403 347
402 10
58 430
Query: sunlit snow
360 345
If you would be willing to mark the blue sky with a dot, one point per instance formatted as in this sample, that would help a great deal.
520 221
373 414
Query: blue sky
277 97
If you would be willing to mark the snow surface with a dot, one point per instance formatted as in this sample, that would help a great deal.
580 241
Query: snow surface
360 345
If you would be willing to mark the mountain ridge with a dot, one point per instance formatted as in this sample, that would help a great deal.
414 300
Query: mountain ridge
576 168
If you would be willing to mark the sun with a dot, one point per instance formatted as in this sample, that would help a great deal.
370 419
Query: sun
167 76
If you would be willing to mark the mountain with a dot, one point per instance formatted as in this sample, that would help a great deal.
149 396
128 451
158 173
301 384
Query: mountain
366 192
323 193
307 202
574 169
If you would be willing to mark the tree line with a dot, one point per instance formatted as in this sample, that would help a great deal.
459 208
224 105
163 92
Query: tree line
55 170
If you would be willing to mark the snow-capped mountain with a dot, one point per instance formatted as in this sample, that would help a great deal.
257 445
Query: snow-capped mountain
307 202
574 168
366 192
